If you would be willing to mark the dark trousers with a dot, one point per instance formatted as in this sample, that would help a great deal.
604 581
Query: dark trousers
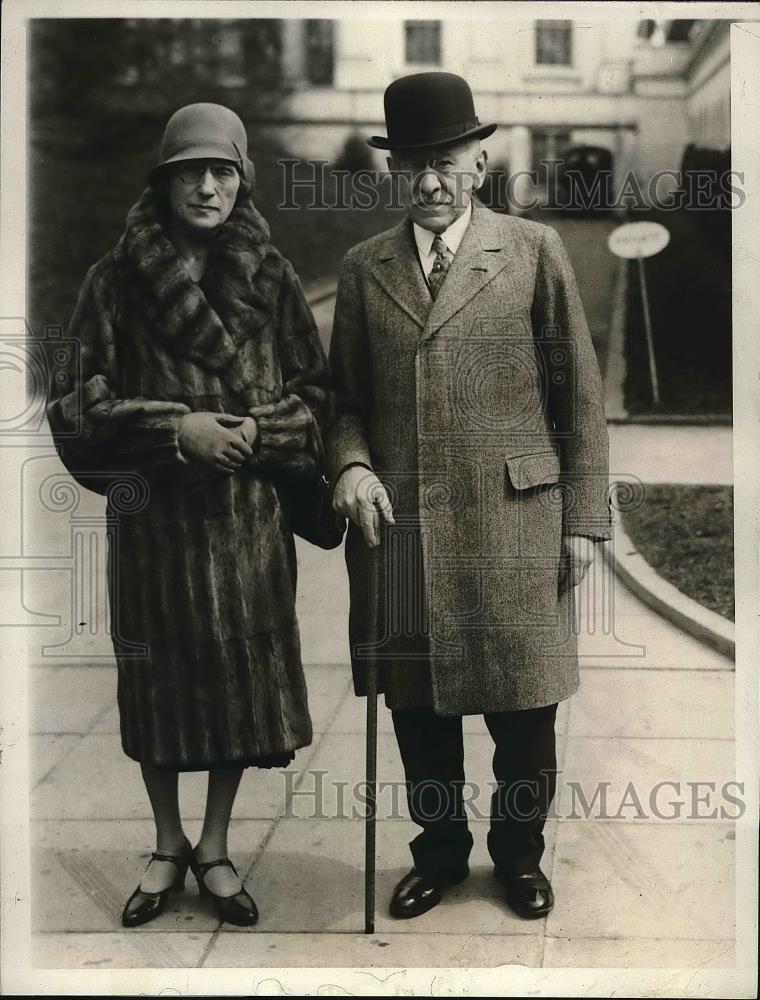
525 772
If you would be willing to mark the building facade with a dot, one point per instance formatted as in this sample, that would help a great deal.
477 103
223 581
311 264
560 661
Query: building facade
641 89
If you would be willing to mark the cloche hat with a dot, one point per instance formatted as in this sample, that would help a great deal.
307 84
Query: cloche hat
205 132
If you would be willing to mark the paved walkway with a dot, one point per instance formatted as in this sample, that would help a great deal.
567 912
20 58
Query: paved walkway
657 453
586 242
633 889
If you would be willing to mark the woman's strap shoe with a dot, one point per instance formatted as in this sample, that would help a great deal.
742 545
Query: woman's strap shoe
238 909
529 895
142 907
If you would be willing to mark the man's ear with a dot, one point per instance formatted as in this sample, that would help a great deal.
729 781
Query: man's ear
389 161
481 165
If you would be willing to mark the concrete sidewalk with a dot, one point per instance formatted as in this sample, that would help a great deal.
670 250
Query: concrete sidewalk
654 706
594 266
660 453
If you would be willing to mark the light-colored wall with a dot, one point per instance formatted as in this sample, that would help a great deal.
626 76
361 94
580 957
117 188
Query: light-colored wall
660 125
494 54
661 137
708 111
643 103
708 101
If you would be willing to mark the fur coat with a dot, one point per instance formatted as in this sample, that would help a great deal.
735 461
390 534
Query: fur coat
202 567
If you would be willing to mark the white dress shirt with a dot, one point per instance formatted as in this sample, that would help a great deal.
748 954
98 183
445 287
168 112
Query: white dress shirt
452 237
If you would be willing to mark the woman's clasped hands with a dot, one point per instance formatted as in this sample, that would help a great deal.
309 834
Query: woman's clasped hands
222 440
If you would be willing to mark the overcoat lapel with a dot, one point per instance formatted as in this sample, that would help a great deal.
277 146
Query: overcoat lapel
398 271
482 254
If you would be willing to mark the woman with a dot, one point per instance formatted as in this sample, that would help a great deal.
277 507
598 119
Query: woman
201 387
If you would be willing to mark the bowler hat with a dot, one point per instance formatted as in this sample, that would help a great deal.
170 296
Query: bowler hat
429 109
205 132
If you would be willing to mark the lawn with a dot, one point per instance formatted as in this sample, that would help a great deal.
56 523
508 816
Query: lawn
84 179
689 287
686 533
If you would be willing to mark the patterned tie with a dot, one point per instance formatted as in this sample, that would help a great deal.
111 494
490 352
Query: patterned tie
441 265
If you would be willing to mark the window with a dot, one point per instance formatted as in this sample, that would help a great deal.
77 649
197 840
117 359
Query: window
320 58
554 43
423 42
678 31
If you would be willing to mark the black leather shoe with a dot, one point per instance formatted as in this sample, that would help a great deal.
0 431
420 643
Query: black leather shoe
418 891
530 896
238 909
141 907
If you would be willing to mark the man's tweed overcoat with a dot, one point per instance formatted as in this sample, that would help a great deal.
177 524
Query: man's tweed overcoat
201 564
482 414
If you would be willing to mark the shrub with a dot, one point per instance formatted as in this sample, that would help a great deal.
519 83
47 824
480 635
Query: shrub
355 155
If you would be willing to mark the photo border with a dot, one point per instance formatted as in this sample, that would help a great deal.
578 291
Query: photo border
15 949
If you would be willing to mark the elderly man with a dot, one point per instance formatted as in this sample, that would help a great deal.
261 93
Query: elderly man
470 455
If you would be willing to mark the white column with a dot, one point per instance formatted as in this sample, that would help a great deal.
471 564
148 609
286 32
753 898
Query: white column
625 158
294 52
520 151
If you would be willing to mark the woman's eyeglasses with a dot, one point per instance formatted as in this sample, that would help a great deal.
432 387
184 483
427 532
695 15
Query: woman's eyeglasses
223 176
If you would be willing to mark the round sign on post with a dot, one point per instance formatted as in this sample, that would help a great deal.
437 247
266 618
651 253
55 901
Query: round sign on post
635 241
638 239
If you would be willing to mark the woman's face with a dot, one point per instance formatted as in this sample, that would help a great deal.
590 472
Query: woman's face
202 193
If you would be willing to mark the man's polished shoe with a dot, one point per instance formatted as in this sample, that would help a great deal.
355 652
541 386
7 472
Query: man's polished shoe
529 895
419 891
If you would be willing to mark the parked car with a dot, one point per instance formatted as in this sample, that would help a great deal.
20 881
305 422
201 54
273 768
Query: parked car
584 180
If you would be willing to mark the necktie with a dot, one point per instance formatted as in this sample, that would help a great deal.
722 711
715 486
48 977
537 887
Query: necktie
441 265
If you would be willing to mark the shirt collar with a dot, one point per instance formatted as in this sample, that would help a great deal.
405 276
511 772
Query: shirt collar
452 236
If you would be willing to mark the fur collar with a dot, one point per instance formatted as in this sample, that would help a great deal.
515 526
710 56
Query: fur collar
178 310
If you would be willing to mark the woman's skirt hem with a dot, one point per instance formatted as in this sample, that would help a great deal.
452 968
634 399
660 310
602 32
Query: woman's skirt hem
270 761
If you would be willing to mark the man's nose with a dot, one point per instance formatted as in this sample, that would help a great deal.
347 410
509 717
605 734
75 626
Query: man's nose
429 182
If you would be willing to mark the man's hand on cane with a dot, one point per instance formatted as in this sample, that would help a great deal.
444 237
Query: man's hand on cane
360 496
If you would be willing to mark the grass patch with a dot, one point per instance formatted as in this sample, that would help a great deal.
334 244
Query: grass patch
686 533
85 176
689 288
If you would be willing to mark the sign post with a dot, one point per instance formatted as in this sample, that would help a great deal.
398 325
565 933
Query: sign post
635 241
648 332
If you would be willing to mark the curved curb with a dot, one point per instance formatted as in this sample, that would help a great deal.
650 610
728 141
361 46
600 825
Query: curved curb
660 595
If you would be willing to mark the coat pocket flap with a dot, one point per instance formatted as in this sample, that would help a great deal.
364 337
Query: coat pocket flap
526 471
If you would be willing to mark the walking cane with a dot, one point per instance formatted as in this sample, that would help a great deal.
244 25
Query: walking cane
371 763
